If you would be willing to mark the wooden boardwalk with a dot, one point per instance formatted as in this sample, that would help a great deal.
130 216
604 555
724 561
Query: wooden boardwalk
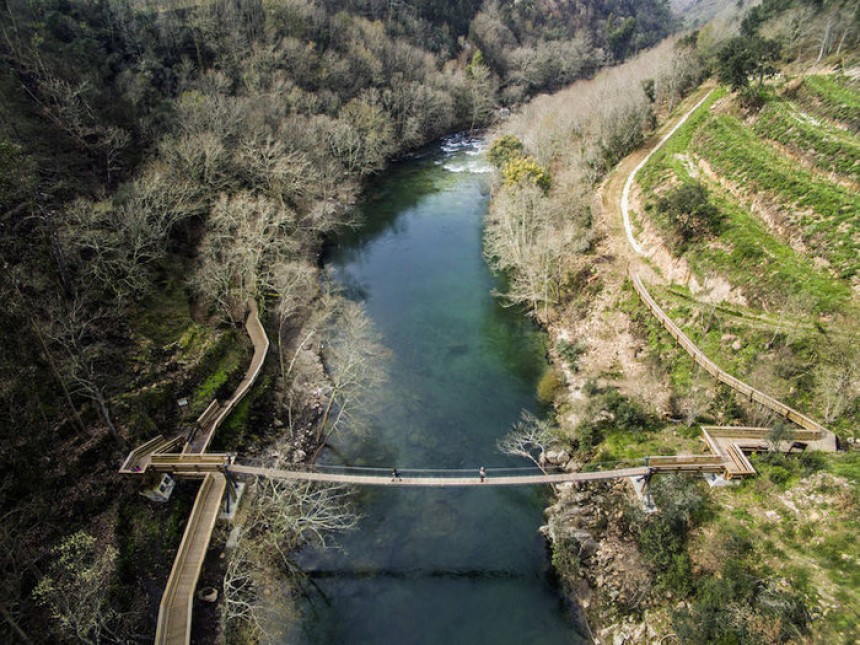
818 432
818 437
215 414
174 612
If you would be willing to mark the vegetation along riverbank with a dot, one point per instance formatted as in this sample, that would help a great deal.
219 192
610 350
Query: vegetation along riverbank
743 226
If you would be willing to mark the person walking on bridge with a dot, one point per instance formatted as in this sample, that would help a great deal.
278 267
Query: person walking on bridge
482 473
395 475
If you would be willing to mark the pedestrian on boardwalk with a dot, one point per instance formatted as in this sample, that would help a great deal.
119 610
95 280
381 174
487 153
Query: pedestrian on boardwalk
395 475
482 474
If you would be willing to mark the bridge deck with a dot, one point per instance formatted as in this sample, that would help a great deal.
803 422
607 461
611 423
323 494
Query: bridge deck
437 481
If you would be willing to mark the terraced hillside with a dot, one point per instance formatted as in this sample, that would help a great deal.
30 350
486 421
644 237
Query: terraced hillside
767 200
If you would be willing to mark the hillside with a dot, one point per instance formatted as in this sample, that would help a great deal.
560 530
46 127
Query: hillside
747 219
769 560
770 294
783 236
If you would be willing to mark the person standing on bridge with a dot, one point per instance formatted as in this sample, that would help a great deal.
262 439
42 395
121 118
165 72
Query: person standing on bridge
482 474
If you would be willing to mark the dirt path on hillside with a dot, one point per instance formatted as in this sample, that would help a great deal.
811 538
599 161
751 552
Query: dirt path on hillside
614 354
646 249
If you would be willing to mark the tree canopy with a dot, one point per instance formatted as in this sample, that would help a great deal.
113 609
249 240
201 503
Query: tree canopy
746 57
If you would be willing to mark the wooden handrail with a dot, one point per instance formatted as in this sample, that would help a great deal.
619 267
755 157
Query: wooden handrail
174 612
820 432
174 616
210 411
217 412
135 455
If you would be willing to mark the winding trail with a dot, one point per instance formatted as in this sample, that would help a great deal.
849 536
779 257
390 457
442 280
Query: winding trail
175 610
820 438
217 412
625 194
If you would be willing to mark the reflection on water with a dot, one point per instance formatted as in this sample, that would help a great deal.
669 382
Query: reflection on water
431 565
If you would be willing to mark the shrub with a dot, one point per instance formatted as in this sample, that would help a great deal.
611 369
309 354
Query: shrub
812 461
609 410
779 475
628 414
663 536
689 211
564 559
526 169
571 352
549 385
505 149
588 435
740 607
591 387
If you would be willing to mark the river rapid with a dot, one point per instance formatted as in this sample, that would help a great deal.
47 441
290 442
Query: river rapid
436 565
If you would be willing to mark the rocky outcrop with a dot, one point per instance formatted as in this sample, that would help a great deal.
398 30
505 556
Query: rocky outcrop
609 577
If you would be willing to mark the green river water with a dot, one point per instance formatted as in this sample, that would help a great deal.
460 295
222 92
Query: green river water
449 565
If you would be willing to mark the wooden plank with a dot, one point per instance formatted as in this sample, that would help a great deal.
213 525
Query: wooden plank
260 341
208 413
174 612
138 453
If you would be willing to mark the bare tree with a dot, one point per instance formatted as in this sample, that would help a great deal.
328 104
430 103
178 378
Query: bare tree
837 375
294 282
73 334
287 175
528 236
244 608
363 137
697 399
354 359
276 519
17 559
65 103
114 245
529 438
481 87
248 237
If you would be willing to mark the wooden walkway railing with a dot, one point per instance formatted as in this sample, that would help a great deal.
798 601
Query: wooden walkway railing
431 481
174 614
215 414
819 431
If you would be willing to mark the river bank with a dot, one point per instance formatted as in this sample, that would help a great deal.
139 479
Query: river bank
601 376
709 563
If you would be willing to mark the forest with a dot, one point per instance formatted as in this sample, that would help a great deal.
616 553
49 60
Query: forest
164 163
161 163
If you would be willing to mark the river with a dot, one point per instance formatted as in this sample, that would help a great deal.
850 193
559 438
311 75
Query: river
437 565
